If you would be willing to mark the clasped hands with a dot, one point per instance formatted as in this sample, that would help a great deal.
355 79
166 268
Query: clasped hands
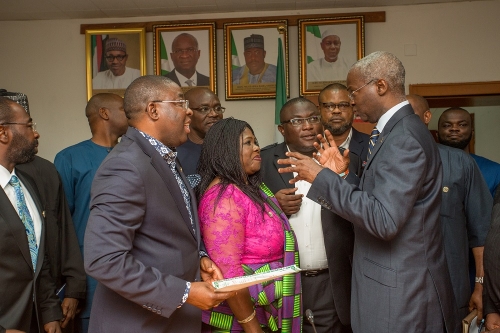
328 156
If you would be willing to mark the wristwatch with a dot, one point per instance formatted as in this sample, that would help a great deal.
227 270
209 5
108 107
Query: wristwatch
479 279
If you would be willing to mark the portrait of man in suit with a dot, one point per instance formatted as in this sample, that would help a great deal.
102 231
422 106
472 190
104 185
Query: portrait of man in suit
185 55
398 259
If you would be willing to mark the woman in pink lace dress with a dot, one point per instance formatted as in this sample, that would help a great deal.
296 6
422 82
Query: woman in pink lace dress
245 231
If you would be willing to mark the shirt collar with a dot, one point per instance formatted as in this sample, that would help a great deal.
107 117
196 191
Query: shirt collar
347 141
5 176
167 153
388 115
183 79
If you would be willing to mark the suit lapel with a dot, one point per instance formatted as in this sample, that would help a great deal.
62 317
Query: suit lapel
400 114
11 218
279 153
355 144
163 169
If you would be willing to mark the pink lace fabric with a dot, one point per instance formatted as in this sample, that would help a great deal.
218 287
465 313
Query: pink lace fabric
238 232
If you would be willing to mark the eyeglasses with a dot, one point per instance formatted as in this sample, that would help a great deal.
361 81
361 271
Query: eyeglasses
183 103
343 106
29 124
190 50
207 109
300 121
118 57
351 95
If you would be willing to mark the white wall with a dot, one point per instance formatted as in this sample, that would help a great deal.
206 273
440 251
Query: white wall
456 42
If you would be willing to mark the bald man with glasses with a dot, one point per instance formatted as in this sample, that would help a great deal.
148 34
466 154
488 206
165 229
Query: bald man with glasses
207 110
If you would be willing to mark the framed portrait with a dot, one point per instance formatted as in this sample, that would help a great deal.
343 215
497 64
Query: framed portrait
185 53
251 58
327 49
115 58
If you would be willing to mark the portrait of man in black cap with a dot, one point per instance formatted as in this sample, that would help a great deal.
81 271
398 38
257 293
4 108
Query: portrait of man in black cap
255 70
118 75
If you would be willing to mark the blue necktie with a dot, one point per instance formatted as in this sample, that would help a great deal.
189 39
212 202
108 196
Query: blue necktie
373 140
24 214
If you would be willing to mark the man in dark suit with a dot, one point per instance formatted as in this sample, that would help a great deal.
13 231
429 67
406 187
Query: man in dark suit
325 239
465 217
66 262
185 55
337 117
401 281
28 298
142 242
492 270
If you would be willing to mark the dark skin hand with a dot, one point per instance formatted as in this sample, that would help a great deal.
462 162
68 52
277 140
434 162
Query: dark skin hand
493 322
202 294
328 156
288 200
69 306
52 327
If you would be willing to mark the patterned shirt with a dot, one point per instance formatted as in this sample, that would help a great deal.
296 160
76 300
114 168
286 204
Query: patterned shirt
169 156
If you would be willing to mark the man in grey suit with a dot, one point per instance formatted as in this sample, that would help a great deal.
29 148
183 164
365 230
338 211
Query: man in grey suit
401 281
337 117
28 299
325 239
142 242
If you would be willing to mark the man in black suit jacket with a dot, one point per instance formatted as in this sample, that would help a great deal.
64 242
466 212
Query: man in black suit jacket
28 298
185 55
337 117
66 261
325 239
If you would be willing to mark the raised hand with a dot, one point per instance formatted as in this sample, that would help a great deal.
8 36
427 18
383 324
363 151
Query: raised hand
329 155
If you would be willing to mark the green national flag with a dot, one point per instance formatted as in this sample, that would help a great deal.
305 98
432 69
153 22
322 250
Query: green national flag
313 47
164 65
235 60
280 88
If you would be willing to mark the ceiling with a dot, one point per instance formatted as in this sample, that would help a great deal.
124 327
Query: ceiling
88 9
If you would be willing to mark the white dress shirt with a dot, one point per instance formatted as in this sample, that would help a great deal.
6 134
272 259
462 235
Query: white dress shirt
306 224
5 176
183 79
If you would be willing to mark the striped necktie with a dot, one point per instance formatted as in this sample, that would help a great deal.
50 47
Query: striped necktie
24 214
373 140
190 82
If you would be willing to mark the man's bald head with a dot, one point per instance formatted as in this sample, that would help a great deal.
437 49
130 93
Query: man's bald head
421 107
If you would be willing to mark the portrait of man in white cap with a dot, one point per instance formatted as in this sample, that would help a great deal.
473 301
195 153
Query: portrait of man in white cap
255 70
118 75
331 67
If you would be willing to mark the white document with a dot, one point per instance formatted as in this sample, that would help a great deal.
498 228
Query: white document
241 282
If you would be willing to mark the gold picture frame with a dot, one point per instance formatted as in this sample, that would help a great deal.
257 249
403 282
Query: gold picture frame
101 72
199 63
328 47
238 76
